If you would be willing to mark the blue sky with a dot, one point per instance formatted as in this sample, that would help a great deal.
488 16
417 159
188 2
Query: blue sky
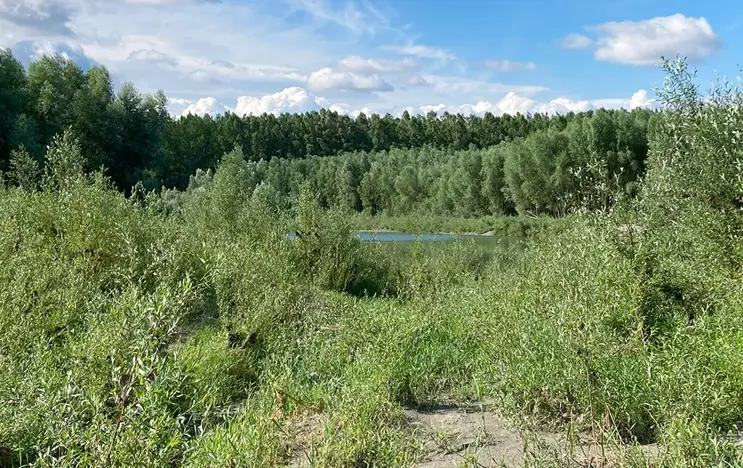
469 56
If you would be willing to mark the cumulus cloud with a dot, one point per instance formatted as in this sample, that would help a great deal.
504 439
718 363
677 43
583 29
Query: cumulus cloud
294 99
176 106
422 51
640 99
202 107
513 103
576 41
355 63
644 42
506 65
329 79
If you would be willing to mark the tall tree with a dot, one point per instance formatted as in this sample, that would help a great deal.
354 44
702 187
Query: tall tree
12 101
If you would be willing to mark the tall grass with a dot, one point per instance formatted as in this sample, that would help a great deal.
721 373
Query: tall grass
185 329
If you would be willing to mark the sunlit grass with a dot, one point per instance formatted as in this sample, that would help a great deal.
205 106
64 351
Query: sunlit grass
198 335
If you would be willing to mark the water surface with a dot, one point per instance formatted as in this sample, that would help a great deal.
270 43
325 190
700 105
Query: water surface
403 237
386 236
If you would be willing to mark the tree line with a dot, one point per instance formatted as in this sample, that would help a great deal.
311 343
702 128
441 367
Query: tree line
448 164
553 171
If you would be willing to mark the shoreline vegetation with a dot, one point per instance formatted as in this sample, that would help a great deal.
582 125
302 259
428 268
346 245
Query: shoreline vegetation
502 226
182 328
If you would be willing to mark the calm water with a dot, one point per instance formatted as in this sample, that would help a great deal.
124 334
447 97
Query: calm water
368 236
371 236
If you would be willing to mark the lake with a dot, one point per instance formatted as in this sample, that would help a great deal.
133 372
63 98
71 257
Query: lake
389 236
386 236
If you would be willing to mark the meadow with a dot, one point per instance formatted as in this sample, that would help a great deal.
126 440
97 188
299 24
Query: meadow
183 327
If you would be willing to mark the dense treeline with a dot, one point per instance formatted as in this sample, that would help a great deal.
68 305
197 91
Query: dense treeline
551 171
135 139
135 335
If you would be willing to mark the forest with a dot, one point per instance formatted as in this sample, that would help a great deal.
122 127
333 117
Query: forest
448 165
154 312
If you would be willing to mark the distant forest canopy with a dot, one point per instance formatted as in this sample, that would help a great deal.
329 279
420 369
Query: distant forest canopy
448 164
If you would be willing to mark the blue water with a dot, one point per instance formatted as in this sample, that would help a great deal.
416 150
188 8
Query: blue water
367 236
370 236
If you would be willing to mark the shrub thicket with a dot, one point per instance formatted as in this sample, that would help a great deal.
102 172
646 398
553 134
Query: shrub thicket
186 328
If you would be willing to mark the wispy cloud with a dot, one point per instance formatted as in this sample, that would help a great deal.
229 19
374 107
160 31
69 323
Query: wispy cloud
153 56
358 18
576 41
421 51
506 65
463 85
356 63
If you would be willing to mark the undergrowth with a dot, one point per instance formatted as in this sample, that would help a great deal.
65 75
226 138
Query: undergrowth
187 328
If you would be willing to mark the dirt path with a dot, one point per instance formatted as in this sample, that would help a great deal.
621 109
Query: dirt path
452 436
475 435
472 436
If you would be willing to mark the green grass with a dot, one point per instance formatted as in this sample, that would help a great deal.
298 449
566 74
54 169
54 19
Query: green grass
194 334
116 349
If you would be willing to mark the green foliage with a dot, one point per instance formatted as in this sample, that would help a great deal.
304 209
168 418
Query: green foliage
12 100
64 163
185 328
446 165
24 170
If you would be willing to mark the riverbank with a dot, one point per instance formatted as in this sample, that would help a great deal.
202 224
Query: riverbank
503 226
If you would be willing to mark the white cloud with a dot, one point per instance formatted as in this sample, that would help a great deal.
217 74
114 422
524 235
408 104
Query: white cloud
147 48
329 79
355 18
48 18
640 99
204 106
355 63
202 70
506 65
176 106
417 80
643 42
346 109
166 2
152 55
27 51
422 51
197 48
294 99
513 103
576 41
460 85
